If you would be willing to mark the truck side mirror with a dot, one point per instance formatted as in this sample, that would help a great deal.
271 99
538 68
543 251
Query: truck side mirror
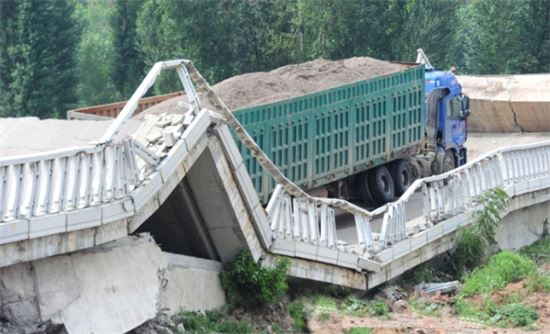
465 112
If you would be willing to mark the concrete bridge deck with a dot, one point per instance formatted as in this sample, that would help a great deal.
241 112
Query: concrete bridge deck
181 178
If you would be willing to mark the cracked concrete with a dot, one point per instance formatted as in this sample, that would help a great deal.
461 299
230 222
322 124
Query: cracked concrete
111 288
508 103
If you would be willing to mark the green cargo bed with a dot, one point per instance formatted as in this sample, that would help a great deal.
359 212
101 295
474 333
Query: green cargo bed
325 136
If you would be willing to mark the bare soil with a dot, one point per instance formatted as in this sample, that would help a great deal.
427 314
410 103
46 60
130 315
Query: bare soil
258 88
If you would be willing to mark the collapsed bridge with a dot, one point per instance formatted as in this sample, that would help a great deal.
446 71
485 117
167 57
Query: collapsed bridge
181 178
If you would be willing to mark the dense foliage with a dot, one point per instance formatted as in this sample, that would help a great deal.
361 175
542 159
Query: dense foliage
53 57
248 284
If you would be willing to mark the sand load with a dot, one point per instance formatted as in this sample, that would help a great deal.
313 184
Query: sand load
508 103
257 88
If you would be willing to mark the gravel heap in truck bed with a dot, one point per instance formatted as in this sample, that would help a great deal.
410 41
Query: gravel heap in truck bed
258 88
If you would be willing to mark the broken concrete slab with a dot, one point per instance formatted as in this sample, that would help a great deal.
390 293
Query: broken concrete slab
193 284
89 291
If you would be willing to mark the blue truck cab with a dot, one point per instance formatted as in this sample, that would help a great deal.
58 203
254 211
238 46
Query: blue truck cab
447 110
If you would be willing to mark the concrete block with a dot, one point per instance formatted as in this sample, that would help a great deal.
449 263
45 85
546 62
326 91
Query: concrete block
18 295
534 184
260 221
147 191
193 284
385 256
348 260
118 210
196 129
194 153
283 246
168 187
368 264
248 190
545 182
374 280
521 188
418 240
228 241
234 156
47 225
434 232
451 224
175 157
143 213
251 239
83 218
14 231
109 232
327 255
106 294
306 251
401 248
76 240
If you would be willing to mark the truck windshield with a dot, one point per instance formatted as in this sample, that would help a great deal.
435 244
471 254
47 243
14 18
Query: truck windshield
454 108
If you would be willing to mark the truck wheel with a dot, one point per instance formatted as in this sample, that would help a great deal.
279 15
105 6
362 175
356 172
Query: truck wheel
402 175
381 185
366 195
449 161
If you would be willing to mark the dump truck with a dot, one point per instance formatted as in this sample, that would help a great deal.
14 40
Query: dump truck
366 140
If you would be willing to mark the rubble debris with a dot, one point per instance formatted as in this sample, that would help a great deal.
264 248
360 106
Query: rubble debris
438 288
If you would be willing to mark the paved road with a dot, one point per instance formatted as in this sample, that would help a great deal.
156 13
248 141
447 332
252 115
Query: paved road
345 224
478 144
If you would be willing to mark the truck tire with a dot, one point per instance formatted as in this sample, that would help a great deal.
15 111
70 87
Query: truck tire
401 172
381 185
366 195
449 161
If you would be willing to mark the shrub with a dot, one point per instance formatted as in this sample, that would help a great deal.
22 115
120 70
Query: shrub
474 239
297 313
469 250
247 283
515 315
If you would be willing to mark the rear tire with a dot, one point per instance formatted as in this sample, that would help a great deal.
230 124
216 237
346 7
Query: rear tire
366 195
401 172
449 161
381 185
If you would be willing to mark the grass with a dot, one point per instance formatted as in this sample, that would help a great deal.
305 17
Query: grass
538 251
358 330
425 308
360 307
210 322
503 268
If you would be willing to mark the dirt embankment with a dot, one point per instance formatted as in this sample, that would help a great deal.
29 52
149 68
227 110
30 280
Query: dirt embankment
290 81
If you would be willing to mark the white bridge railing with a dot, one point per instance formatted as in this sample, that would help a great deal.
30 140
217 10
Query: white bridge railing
517 170
80 177
71 179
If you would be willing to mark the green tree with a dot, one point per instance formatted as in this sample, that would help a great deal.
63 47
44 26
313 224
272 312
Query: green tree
128 60
495 34
7 42
42 74
95 53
